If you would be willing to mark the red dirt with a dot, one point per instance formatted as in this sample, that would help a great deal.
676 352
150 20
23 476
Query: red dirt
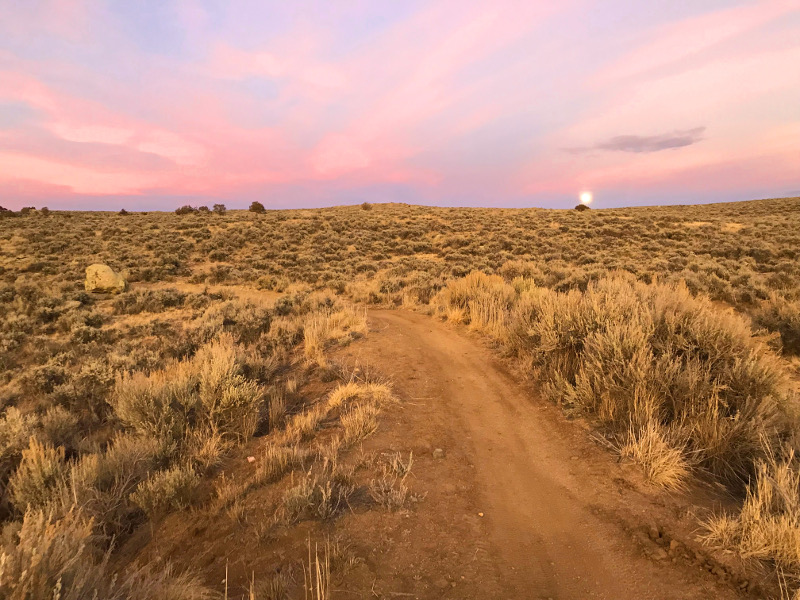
560 514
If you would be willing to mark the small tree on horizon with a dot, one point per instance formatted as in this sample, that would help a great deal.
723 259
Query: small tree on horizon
219 209
257 207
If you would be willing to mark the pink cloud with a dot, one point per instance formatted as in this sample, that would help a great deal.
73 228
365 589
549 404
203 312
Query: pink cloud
338 154
677 41
80 180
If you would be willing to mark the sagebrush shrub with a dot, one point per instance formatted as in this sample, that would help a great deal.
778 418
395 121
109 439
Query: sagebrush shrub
783 316
39 472
101 483
53 557
208 390
60 427
768 525
166 490
156 404
16 429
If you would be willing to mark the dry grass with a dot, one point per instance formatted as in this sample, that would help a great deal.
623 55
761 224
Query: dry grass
390 490
483 301
361 403
317 574
733 227
352 392
664 463
696 224
359 422
316 498
768 526
276 461
340 326
54 558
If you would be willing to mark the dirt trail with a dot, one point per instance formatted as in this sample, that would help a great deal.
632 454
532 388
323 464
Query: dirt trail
557 512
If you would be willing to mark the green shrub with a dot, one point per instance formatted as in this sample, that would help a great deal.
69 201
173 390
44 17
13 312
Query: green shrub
207 391
166 490
156 404
185 210
42 468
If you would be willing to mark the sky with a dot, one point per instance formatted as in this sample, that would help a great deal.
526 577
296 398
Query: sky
153 104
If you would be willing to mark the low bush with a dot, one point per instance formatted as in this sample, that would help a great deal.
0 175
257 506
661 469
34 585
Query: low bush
53 557
166 490
102 483
768 525
33 484
207 392
16 429
783 316
185 210
633 353
154 301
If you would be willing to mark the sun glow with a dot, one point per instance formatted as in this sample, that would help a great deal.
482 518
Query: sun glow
586 198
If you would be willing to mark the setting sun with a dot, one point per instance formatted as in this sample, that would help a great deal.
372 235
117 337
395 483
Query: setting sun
586 198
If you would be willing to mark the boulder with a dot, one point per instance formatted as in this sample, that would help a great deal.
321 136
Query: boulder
104 280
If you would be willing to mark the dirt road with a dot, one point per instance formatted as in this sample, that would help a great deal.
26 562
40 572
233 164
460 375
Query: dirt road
559 514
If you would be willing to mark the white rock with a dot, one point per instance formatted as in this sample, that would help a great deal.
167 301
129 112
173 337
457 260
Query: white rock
103 279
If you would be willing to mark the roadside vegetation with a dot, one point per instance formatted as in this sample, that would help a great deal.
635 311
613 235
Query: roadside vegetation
118 411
